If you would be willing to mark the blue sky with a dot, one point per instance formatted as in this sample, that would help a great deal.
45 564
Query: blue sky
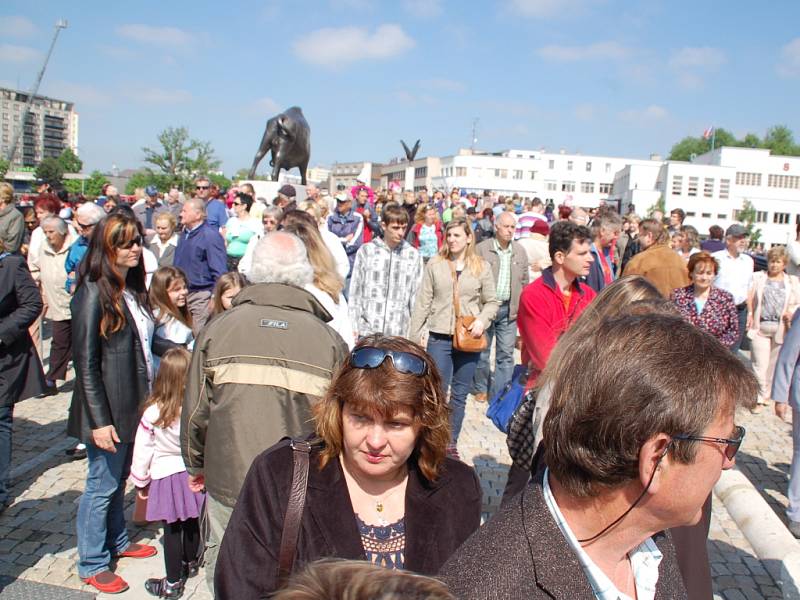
592 76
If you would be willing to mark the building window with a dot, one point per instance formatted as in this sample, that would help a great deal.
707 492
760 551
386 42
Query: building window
461 171
569 165
517 174
743 178
784 181
724 188
692 187
588 167
568 186
780 218
761 216
551 164
420 172
735 214
706 215
605 188
708 187
587 187
677 185
531 174
720 215
550 186
608 167
690 213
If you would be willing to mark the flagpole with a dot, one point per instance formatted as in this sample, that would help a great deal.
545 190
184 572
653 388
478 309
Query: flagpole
713 137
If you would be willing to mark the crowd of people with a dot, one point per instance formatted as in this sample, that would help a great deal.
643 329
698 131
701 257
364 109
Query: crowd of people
294 373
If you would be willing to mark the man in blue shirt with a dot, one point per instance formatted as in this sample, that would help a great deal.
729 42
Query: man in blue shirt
201 255
216 215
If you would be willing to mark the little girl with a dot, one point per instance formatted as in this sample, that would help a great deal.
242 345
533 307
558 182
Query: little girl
168 294
157 462
225 291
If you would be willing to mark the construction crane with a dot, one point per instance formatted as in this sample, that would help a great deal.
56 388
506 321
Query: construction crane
60 24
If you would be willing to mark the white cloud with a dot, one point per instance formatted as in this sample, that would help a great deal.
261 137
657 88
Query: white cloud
330 47
15 26
423 9
441 84
162 96
153 35
117 52
18 54
539 9
596 51
653 112
265 106
585 112
697 58
790 59
80 94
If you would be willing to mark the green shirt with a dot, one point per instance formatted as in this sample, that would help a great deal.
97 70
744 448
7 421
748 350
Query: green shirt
504 274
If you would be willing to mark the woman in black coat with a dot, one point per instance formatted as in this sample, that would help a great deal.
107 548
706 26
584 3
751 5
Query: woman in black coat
22 376
112 345
379 489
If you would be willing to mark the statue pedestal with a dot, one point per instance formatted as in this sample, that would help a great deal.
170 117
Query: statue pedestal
269 189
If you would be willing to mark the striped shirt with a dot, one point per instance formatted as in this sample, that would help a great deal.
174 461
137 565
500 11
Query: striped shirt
645 559
503 289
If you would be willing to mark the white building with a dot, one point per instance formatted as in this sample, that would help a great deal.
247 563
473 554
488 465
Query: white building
713 188
345 174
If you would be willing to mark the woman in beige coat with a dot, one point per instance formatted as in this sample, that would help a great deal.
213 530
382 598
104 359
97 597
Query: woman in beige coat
459 264
774 296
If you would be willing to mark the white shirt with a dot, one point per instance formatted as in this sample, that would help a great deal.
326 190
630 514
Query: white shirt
645 559
145 327
334 244
793 266
341 322
735 274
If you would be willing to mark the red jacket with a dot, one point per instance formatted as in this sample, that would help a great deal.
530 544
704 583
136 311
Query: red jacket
542 317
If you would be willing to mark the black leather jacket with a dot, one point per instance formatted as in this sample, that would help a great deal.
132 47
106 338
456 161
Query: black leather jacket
110 373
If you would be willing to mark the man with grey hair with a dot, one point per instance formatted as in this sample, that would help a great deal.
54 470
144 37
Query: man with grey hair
87 216
261 365
201 255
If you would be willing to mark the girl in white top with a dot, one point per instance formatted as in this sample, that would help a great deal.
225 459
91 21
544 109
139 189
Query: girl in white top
159 474
168 298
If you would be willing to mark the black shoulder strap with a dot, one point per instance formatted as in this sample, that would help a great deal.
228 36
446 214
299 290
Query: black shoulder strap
294 510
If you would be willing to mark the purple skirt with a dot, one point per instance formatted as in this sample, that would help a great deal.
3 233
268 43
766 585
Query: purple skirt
171 499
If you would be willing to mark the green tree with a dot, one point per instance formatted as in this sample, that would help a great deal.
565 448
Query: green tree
70 162
146 177
747 217
180 157
657 205
50 171
73 186
94 185
222 181
4 165
751 140
779 140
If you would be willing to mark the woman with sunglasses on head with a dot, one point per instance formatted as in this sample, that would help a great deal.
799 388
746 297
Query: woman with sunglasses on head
240 229
380 487
112 347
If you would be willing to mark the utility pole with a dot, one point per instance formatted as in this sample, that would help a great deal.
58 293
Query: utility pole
60 24
474 131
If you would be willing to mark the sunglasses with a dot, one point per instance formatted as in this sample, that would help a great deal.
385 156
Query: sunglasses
202 187
137 241
731 445
82 225
237 203
370 357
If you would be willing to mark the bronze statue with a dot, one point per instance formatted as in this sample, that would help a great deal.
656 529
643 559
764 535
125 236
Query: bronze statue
289 138
410 154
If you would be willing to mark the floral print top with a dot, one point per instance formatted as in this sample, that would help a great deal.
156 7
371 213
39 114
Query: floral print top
718 317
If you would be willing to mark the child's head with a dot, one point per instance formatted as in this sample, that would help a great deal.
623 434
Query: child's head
225 291
168 294
169 385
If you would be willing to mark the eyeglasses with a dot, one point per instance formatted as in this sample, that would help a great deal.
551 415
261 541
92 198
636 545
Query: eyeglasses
202 187
237 203
82 225
137 241
370 357
731 445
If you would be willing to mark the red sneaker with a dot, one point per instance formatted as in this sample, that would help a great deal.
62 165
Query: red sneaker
138 551
107 582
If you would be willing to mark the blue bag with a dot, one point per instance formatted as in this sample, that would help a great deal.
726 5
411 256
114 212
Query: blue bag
502 406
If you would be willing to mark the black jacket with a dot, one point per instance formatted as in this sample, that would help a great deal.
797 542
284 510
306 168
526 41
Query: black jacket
20 306
110 373
439 517
521 553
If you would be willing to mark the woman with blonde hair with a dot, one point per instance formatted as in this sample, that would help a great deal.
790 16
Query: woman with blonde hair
319 211
457 273
328 285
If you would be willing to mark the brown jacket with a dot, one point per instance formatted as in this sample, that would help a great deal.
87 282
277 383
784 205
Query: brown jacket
519 270
661 266
521 553
256 371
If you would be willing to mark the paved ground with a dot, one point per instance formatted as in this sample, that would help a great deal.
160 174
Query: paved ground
37 532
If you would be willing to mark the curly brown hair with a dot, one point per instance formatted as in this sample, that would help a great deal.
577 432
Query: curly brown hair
382 391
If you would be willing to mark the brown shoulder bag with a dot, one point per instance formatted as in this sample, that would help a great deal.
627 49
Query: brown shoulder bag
462 338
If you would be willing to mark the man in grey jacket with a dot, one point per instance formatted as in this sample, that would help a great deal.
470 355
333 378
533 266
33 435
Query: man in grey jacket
509 263
254 377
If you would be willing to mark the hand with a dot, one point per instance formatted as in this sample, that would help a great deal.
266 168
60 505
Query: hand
143 493
781 410
197 483
476 329
787 319
105 437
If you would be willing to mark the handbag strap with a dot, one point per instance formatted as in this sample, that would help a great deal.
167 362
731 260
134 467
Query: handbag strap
456 304
294 510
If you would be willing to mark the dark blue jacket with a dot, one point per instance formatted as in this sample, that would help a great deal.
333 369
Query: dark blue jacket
201 255
216 215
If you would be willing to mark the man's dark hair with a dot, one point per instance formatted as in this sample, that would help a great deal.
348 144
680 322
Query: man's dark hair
715 232
680 212
536 201
394 213
563 232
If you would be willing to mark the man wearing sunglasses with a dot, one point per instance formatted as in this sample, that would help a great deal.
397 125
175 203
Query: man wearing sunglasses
216 215
630 451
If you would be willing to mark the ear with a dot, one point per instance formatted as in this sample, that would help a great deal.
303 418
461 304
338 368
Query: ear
558 258
653 461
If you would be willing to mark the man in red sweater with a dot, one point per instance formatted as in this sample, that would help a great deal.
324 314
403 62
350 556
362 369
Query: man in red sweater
549 305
